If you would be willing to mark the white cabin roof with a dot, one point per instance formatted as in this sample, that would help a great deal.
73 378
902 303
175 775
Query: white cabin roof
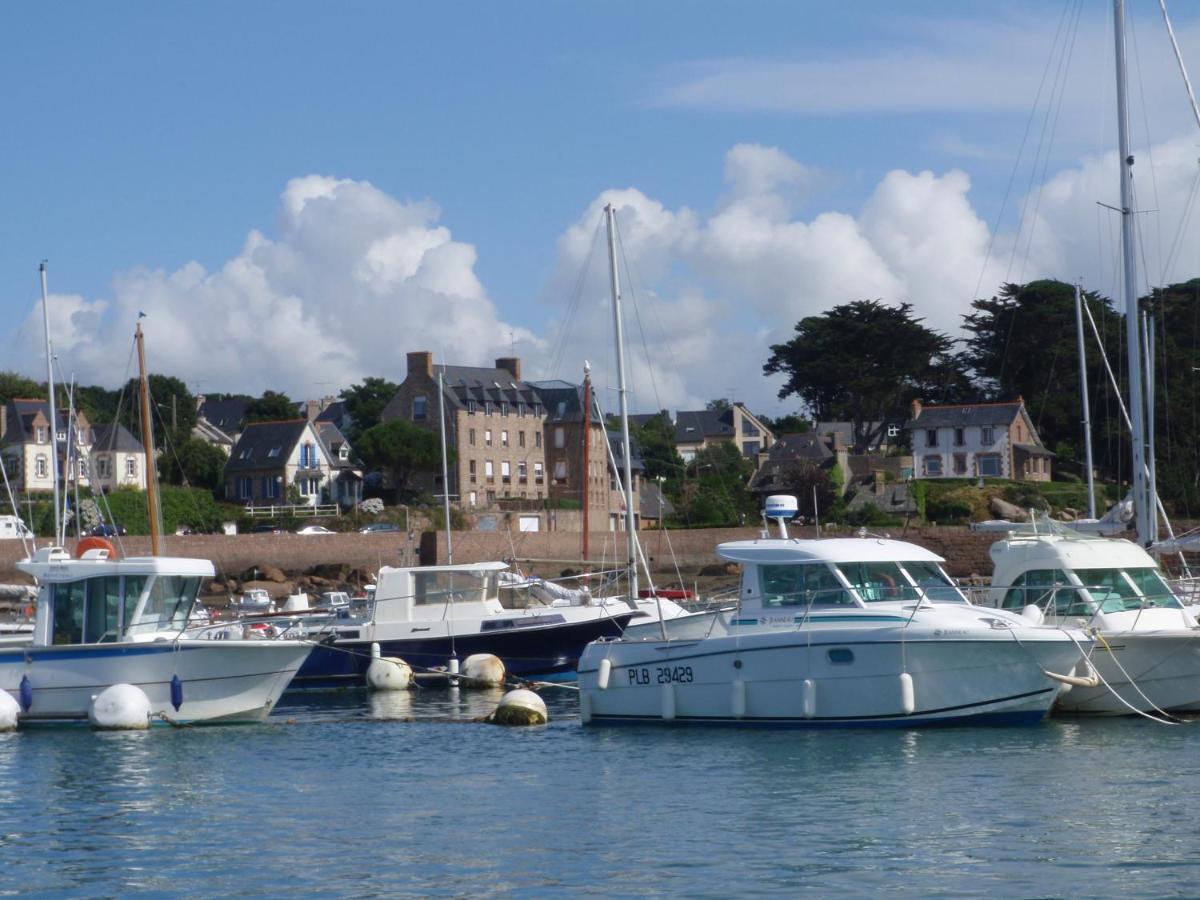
55 564
464 567
1046 551
832 550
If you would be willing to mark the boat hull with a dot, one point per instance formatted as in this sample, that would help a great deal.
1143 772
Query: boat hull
220 681
851 677
528 651
1164 668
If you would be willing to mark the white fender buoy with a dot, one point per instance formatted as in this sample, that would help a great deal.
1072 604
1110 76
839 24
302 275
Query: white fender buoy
483 670
604 674
387 673
1032 613
668 702
908 697
10 711
121 707
808 698
737 702
452 668
520 707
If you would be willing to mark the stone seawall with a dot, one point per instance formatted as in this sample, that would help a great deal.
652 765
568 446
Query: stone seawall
545 553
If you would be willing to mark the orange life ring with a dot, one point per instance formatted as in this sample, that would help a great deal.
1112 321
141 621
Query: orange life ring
95 543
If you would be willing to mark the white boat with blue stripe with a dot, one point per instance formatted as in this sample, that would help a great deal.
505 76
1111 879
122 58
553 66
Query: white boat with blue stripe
102 621
838 631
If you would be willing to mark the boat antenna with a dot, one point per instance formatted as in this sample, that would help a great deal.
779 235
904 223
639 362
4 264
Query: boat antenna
53 411
445 469
610 215
148 442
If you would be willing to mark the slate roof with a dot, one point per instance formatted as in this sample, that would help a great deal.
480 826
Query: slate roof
635 456
227 415
483 384
788 450
253 451
335 412
966 414
564 401
652 502
110 436
332 440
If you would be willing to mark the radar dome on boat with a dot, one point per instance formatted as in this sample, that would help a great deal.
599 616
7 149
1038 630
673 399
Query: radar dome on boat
781 506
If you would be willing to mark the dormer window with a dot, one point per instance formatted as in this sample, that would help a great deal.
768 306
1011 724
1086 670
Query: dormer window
272 453
41 435
343 452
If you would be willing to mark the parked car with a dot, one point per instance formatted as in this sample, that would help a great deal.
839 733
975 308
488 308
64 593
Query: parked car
313 529
106 529
378 527
266 529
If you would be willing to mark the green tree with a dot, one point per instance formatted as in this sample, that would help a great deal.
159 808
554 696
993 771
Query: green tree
793 423
271 407
364 403
656 444
196 463
714 492
717 405
172 409
16 386
863 362
401 448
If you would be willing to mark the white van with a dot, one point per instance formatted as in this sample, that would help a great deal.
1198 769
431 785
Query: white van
13 528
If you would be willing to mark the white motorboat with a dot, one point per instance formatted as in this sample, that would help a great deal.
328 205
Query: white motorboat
101 621
839 631
1147 651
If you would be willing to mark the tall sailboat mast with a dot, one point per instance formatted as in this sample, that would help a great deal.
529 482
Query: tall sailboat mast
58 535
1083 399
445 468
1141 495
627 464
586 469
148 443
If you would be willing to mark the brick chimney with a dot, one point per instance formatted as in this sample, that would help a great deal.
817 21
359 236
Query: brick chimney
420 362
511 364
916 408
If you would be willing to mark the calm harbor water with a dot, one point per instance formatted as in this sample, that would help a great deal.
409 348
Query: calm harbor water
339 794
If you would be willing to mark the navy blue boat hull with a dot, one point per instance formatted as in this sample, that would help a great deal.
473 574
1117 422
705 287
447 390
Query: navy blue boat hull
527 652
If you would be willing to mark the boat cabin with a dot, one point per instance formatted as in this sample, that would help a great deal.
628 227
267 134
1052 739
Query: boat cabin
847 573
1082 576
412 594
95 599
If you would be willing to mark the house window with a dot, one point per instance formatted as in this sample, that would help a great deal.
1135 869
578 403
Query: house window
41 466
560 472
559 439
748 429
988 464
471 437
933 466
41 435
504 439
245 486
487 407
470 407
960 437
102 467
539 475
471 471
487 437
473 498
420 407
537 439
987 436
491 497
750 448
521 410
505 472
520 439
343 452
893 431
130 467
960 463
488 473
522 473
930 437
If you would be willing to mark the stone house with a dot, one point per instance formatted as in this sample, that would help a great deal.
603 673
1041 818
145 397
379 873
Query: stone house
116 459
219 422
697 429
995 440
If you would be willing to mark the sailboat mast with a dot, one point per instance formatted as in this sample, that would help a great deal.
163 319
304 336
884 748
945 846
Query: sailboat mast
445 469
586 473
1141 497
53 411
148 443
610 216
1083 398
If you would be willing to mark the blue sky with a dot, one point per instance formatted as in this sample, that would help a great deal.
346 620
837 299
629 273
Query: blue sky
143 138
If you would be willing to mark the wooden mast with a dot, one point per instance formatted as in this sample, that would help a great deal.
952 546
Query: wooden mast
148 443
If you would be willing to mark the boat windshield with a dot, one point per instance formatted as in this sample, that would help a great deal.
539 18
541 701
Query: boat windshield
933 582
1121 589
454 587
803 584
94 610
1049 589
168 604
878 581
